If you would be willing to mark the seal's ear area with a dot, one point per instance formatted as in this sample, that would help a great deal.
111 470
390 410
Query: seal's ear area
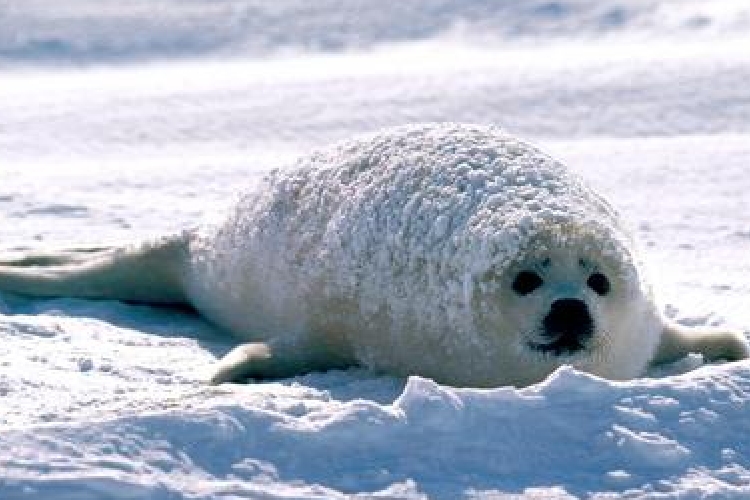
678 341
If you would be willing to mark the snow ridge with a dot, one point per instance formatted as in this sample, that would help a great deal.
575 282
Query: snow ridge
645 438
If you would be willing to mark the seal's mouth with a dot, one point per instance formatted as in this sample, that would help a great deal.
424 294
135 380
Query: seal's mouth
569 328
563 346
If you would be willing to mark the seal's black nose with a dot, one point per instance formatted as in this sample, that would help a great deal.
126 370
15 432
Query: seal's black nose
569 324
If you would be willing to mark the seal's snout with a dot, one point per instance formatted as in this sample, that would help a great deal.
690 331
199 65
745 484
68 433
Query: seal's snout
568 317
568 325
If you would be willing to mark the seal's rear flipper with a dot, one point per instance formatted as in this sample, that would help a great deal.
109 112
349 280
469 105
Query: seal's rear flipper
149 273
51 258
678 341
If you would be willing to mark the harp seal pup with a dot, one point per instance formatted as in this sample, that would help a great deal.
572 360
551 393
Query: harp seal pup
450 251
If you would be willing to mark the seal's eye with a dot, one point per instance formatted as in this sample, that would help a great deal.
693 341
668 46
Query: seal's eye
598 283
526 282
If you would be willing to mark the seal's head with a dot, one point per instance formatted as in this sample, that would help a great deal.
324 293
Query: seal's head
568 299
559 301
565 294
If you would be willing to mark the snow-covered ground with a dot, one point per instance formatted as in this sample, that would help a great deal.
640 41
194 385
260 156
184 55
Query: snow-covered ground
124 120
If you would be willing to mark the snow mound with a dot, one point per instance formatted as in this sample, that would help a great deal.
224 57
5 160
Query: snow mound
584 435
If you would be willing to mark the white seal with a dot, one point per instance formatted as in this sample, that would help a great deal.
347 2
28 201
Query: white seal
449 251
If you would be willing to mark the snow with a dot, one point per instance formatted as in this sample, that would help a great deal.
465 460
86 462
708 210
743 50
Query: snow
156 114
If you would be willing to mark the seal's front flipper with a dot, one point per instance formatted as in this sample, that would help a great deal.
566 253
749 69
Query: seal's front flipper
244 361
678 341
264 361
